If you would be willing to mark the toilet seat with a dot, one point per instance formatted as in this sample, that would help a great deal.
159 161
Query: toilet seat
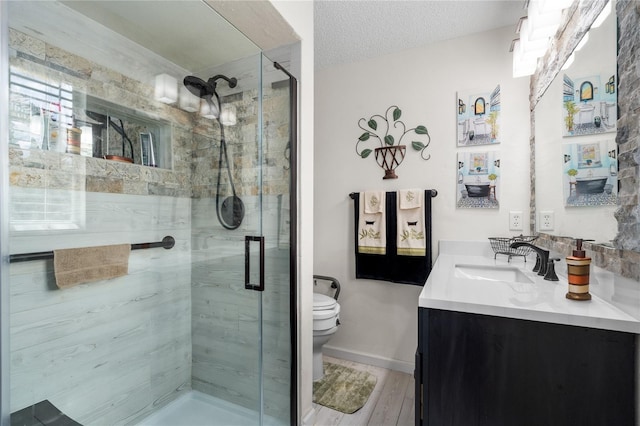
326 311
322 301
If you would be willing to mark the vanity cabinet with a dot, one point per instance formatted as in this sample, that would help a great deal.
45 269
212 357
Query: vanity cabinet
474 369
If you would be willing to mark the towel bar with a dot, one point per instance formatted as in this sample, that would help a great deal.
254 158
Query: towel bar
434 194
167 243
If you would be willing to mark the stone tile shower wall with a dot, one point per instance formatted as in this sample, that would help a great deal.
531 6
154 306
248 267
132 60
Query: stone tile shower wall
44 169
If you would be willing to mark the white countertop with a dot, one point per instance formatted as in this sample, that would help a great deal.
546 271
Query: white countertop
615 303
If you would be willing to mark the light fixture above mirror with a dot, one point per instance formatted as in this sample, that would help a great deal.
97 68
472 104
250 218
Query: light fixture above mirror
536 30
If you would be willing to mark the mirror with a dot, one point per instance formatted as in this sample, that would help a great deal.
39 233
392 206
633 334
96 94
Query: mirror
575 143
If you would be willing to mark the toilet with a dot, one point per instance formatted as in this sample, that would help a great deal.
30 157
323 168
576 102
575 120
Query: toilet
326 318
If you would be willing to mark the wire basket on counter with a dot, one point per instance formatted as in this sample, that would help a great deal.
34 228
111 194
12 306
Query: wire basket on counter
502 245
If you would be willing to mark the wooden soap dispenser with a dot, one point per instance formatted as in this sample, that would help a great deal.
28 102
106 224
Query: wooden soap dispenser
578 266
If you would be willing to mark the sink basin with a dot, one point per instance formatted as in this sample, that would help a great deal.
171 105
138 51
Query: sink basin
491 273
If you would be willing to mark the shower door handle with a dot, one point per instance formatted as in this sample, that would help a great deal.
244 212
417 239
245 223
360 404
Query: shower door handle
247 263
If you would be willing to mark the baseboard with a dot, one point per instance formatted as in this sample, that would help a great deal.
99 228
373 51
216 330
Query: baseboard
309 419
363 358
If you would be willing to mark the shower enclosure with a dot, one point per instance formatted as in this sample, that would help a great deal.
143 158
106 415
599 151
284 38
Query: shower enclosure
94 89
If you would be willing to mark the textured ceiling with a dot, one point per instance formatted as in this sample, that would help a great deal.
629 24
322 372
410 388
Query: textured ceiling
353 30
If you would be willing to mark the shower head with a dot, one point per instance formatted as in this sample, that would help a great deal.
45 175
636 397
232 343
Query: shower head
206 89
199 87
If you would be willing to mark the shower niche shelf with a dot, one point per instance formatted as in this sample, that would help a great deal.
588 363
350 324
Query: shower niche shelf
124 134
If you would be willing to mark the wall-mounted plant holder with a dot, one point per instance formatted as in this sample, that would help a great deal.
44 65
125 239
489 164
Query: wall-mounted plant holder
390 157
389 130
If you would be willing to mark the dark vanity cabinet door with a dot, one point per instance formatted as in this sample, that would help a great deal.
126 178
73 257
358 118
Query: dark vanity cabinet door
483 370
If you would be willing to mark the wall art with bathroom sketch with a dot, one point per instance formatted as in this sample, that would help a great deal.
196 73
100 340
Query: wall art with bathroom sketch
478 117
478 181
589 104
590 173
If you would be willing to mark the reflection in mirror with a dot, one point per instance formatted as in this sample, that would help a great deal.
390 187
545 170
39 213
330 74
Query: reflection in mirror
575 131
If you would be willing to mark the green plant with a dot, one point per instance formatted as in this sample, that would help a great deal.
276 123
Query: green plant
389 130
572 172
492 177
492 120
571 108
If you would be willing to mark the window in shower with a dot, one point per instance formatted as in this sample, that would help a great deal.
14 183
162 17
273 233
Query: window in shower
40 111
46 209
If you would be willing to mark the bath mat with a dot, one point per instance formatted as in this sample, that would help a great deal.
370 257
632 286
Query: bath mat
342 388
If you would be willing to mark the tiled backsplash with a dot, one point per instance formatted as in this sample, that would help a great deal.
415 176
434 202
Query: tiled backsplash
623 262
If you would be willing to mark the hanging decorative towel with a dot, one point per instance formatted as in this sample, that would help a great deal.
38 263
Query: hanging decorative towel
374 202
410 221
390 265
372 230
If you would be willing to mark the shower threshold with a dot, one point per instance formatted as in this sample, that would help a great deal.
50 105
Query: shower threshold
199 409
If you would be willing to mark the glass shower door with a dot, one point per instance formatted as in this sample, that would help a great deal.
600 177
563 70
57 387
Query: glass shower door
227 245
241 297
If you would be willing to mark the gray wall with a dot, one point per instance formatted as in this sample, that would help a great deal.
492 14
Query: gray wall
110 351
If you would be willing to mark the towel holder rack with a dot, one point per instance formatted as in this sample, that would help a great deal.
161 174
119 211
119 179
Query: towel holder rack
434 194
166 243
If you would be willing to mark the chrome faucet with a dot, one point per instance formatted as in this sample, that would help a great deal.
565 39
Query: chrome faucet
542 258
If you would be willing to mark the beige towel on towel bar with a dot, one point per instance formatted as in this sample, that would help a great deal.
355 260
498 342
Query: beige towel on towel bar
85 265
372 228
410 219
374 202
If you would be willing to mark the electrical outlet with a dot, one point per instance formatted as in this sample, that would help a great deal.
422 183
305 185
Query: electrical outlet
546 221
515 221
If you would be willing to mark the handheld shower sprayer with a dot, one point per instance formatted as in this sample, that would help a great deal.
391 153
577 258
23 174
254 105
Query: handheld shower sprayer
231 212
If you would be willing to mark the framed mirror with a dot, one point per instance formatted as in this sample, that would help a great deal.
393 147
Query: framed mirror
620 255
576 169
